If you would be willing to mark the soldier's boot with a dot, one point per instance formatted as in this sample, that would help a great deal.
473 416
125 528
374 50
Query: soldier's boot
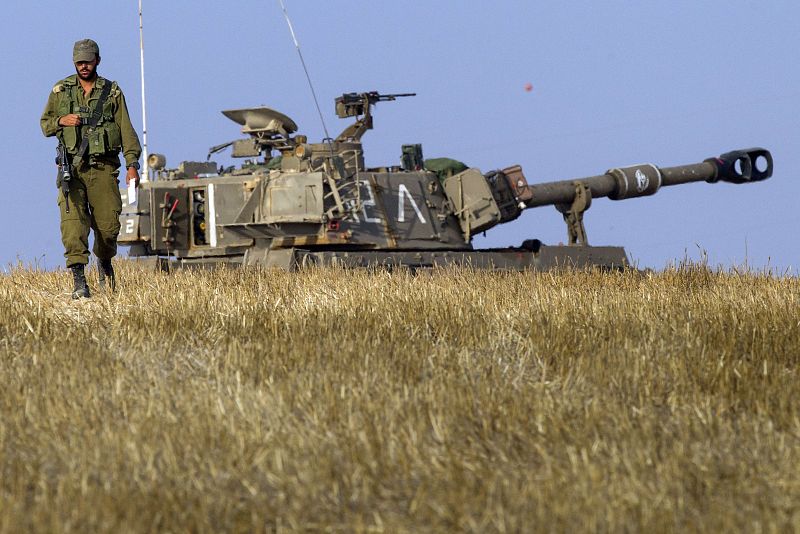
106 271
81 287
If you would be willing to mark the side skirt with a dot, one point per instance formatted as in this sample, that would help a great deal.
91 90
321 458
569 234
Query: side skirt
512 259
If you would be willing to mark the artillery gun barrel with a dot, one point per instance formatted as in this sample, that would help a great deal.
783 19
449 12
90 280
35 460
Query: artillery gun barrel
739 166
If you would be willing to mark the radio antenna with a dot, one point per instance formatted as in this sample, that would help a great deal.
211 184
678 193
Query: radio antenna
305 69
146 166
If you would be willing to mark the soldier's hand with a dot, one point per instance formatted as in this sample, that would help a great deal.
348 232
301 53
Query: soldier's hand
133 174
69 120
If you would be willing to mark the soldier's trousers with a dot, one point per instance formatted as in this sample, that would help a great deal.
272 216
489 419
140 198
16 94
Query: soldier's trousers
94 203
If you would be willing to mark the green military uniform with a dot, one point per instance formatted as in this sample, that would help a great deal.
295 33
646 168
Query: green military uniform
94 197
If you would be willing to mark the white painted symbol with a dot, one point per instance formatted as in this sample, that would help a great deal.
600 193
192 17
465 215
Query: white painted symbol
352 215
369 204
642 181
366 204
212 216
129 226
402 193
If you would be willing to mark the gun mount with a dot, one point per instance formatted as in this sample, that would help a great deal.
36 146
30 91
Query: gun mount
359 105
295 203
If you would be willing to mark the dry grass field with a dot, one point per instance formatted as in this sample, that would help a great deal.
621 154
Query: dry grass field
247 401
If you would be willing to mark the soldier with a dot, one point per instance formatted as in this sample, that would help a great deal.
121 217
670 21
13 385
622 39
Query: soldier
94 199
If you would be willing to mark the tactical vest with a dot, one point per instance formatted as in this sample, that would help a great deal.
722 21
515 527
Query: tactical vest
106 138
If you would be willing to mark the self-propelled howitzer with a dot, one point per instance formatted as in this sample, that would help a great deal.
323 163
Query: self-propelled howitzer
296 203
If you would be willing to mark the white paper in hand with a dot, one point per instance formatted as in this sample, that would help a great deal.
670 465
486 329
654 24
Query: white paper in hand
132 192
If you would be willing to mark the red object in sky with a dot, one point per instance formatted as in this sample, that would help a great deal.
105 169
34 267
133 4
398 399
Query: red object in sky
528 87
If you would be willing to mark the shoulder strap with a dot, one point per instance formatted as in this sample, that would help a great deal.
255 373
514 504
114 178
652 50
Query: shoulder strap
93 120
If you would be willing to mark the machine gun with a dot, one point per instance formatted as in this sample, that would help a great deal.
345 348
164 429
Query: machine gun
355 104
360 105
64 172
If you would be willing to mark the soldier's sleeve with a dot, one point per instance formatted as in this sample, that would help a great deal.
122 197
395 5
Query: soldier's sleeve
49 120
131 149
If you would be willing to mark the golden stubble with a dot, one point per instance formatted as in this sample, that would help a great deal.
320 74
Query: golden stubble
452 400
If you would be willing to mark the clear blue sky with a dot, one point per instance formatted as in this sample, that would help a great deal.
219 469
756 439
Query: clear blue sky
614 83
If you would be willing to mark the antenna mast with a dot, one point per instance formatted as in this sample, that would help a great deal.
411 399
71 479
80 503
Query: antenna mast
305 69
146 167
